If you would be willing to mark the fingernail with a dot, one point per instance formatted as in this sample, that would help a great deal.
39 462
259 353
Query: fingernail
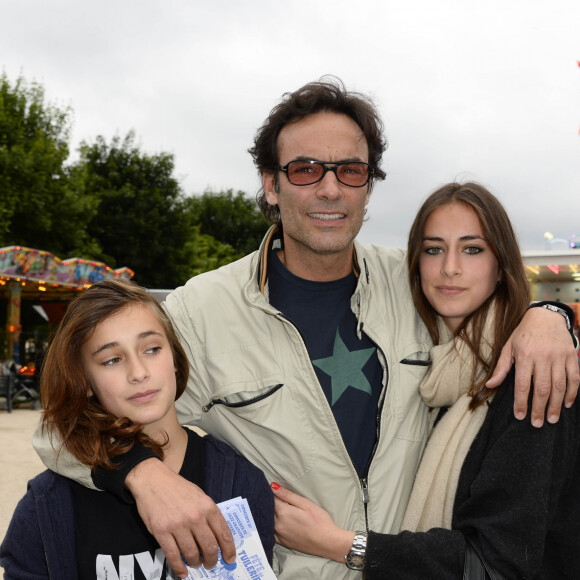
568 404
520 416
537 422
275 486
553 419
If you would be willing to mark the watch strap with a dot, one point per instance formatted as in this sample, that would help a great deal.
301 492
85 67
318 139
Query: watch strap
355 559
559 307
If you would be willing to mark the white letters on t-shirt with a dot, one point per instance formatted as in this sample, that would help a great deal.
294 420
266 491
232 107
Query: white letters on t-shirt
151 568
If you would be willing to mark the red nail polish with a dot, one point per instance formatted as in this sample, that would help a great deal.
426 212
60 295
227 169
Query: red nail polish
275 486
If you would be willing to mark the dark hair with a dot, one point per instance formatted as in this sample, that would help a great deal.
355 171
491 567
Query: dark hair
512 294
316 97
88 431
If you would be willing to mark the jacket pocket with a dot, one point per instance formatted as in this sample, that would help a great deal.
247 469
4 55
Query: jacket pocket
241 399
421 359
268 424
413 413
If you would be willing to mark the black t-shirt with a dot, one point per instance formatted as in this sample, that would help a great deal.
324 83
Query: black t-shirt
112 540
347 368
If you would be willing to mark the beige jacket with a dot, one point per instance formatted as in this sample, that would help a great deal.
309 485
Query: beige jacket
253 386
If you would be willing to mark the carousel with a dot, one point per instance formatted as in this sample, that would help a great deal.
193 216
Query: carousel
46 281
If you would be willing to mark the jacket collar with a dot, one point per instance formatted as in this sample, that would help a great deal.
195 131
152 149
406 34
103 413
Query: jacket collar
274 239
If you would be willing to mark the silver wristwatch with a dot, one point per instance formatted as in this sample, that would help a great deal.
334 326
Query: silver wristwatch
560 311
355 559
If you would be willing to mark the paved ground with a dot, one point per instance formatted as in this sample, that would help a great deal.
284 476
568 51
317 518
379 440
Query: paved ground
18 460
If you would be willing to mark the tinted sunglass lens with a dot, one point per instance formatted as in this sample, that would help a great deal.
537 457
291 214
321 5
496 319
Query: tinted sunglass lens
304 173
354 174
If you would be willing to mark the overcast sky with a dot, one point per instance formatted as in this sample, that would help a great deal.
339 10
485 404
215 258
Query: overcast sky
486 91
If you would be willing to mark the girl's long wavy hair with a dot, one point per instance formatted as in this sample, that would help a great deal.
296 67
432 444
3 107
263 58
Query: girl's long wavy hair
88 431
512 295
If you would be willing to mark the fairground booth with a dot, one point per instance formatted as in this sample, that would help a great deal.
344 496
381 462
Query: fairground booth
555 275
36 287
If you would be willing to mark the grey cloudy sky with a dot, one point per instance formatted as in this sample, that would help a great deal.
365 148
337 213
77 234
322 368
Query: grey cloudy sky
488 91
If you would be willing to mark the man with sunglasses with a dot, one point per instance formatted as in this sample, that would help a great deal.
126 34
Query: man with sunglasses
306 356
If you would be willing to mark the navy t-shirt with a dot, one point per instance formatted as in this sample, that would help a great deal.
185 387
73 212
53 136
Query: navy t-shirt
347 368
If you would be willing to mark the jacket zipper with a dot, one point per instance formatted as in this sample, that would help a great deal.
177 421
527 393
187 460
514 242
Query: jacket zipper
44 544
364 484
364 480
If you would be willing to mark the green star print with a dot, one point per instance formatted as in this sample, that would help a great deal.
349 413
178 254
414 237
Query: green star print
345 368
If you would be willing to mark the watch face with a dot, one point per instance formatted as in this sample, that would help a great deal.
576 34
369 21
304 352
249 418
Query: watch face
355 561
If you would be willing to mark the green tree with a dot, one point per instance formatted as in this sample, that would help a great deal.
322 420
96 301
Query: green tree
116 204
40 205
141 222
145 222
231 219
206 253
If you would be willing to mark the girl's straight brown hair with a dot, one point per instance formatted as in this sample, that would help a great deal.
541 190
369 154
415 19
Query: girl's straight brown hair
88 431
512 295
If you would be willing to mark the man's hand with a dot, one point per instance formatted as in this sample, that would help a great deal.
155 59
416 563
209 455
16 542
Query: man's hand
183 519
540 346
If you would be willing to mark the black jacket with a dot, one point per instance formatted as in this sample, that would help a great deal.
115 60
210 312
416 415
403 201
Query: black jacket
40 541
518 494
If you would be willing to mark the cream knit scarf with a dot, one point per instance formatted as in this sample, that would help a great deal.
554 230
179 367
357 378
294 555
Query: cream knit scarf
446 383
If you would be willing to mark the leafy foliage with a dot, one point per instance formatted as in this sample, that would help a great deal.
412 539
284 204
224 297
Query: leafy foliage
233 219
206 253
39 203
115 204
145 222
140 221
